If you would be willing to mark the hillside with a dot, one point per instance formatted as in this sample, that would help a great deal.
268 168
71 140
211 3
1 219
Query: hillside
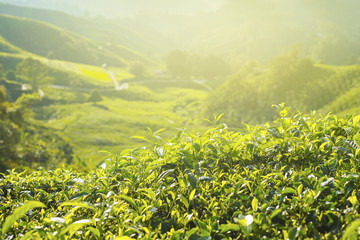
246 97
108 124
256 30
7 47
49 41
140 37
237 29
347 102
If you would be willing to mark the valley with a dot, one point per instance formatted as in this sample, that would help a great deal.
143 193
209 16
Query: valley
197 120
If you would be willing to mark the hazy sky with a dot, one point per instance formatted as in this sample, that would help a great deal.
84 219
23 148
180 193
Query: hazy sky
122 7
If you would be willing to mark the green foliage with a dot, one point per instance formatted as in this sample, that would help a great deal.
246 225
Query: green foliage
137 92
34 72
120 115
140 38
94 96
296 178
351 232
246 96
326 34
182 64
139 71
8 47
26 144
62 44
10 75
10 61
177 63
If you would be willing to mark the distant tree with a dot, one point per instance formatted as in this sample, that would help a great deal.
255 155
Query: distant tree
95 96
10 75
177 63
34 72
23 143
139 70
214 66
27 101
293 79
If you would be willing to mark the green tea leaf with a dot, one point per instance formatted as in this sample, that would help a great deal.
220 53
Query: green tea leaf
229 227
192 194
141 138
356 138
354 201
184 201
352 231
255 204
159 131
31 235
94 231
150 193
124 238
192 180
130 201
75 226
275 213
289 190
294 233
19 213
78 204
356 119
284 112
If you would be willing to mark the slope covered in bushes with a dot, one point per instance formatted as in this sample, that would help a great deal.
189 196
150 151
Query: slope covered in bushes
295 178
298 81
53 42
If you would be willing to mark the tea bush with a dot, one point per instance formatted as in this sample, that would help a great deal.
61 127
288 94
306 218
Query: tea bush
294 179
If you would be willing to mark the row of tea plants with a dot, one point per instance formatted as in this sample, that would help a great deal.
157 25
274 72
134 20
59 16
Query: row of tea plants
297 178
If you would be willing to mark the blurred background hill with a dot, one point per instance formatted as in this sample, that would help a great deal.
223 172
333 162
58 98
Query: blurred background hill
96 73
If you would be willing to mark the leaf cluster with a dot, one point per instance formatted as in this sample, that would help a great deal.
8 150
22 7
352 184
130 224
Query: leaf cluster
295 179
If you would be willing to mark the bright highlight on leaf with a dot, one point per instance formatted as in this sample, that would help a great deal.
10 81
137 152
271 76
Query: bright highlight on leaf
75 226
78 204
124 238
352 231
255 204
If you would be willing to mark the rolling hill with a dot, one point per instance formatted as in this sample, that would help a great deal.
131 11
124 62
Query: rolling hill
49 41
140 37
237 29
7 47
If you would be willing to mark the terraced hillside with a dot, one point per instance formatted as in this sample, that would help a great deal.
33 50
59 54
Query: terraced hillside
53 42
140 37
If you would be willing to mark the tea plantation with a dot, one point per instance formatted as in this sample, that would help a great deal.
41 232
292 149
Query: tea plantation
297 178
